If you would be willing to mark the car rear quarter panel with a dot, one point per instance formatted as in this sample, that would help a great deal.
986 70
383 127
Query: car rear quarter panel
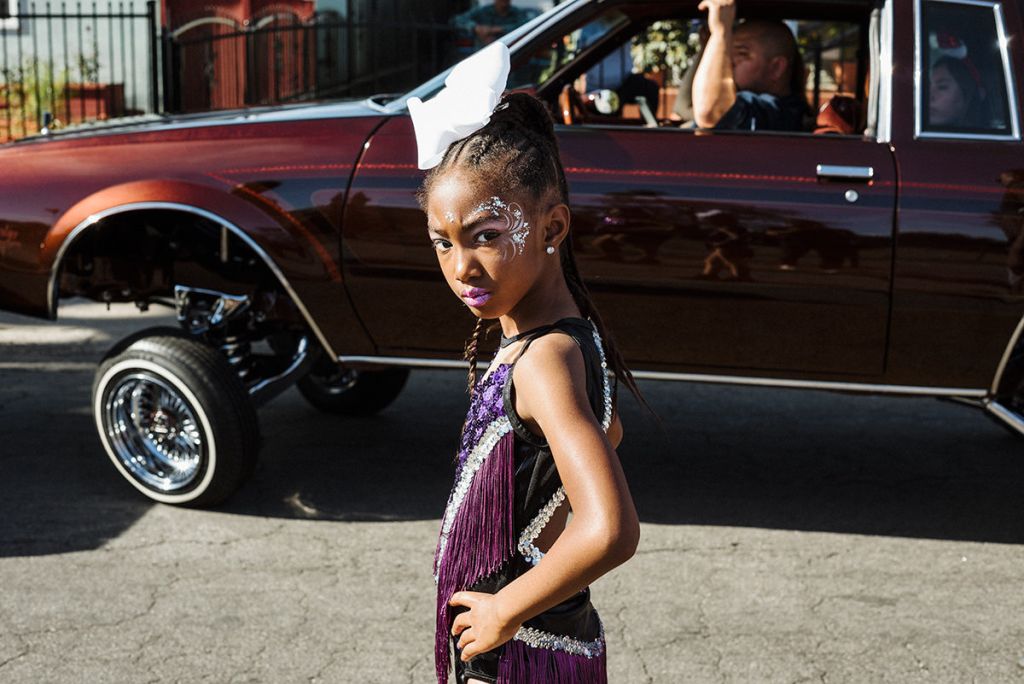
955 302
282 183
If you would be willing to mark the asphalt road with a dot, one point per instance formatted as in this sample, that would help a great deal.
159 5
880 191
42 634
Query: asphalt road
788 536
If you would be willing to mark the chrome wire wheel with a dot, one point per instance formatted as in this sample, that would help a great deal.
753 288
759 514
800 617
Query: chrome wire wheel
174 419
154 431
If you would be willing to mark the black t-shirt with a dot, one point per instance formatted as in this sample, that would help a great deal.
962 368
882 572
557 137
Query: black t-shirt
764 112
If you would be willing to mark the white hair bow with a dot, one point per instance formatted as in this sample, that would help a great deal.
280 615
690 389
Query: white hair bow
464 106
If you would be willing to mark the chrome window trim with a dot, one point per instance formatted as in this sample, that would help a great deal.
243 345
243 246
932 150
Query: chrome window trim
176 206
1008 75
1011 91
933 135
884 134
865 388
1005 359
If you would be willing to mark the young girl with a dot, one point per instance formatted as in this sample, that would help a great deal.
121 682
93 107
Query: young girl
541 432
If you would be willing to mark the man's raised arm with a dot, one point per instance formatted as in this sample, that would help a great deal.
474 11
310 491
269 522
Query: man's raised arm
714 90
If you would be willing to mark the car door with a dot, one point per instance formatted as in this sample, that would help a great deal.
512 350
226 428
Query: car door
958 290
709 252
391 270
736 252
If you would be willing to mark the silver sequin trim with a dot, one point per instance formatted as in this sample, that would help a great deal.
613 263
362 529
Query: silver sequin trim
533 530
606 420
543 517
494 432
555 642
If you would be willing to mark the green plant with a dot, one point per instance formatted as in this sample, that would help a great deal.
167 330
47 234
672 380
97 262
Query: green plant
32 88
88 68
666 46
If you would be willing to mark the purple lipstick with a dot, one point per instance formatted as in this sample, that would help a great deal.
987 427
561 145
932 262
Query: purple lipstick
475 296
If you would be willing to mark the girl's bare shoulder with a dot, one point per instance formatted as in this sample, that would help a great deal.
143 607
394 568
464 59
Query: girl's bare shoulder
551 372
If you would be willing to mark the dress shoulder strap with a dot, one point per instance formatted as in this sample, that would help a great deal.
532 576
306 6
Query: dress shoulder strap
584 334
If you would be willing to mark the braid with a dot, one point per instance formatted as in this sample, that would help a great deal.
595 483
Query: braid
586 306
470 354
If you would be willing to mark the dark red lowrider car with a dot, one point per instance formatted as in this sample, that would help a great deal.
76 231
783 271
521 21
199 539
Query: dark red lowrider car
884 253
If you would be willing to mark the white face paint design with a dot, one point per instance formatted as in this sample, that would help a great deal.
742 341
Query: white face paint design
449 216
515 226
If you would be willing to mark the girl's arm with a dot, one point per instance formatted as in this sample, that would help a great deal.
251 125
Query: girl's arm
604 530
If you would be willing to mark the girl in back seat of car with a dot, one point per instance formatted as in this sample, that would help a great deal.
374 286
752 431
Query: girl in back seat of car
540 436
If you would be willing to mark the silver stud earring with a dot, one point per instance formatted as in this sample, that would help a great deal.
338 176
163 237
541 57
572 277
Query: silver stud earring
550 249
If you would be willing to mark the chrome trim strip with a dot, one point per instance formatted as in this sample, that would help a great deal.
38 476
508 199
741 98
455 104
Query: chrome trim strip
407 361
973 402
885 74
839 171
1006 415
925 135
976 3
1001 368
175 206
917 68
874 60
867 388
1011 88
1011 92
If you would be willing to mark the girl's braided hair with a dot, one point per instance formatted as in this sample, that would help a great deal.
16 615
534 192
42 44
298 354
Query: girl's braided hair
517 151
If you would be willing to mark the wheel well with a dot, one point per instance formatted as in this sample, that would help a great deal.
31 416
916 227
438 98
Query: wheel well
139 256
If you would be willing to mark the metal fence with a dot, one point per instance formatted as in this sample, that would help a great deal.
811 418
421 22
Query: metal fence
281 59
64 63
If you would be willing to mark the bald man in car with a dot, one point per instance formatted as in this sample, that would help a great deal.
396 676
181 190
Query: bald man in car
749 77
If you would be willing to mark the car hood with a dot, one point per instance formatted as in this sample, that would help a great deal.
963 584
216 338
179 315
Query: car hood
253 115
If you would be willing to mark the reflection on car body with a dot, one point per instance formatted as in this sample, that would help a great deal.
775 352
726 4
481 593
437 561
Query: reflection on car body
878 250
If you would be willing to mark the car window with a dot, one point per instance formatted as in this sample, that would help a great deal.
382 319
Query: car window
536 68
834 54
652 61
963 73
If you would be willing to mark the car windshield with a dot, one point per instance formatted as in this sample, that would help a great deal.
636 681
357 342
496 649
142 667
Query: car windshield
432 86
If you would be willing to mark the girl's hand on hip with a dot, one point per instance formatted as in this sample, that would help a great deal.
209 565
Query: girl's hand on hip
481 628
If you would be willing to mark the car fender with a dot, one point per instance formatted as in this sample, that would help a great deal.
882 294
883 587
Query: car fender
303 266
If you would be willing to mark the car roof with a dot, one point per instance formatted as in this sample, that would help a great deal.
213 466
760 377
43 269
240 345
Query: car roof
762 9
639 9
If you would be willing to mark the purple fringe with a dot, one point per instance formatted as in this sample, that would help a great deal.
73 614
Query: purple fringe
480 540
523 664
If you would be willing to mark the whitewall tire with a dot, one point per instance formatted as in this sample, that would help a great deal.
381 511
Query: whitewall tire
175 420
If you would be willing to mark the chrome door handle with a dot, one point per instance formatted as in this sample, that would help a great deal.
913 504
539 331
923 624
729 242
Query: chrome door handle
861 173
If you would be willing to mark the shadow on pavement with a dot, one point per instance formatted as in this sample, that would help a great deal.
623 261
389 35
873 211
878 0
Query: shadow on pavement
749 457
60 493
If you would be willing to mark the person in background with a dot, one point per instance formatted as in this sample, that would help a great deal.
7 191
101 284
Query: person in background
488 22
956 97
750 78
